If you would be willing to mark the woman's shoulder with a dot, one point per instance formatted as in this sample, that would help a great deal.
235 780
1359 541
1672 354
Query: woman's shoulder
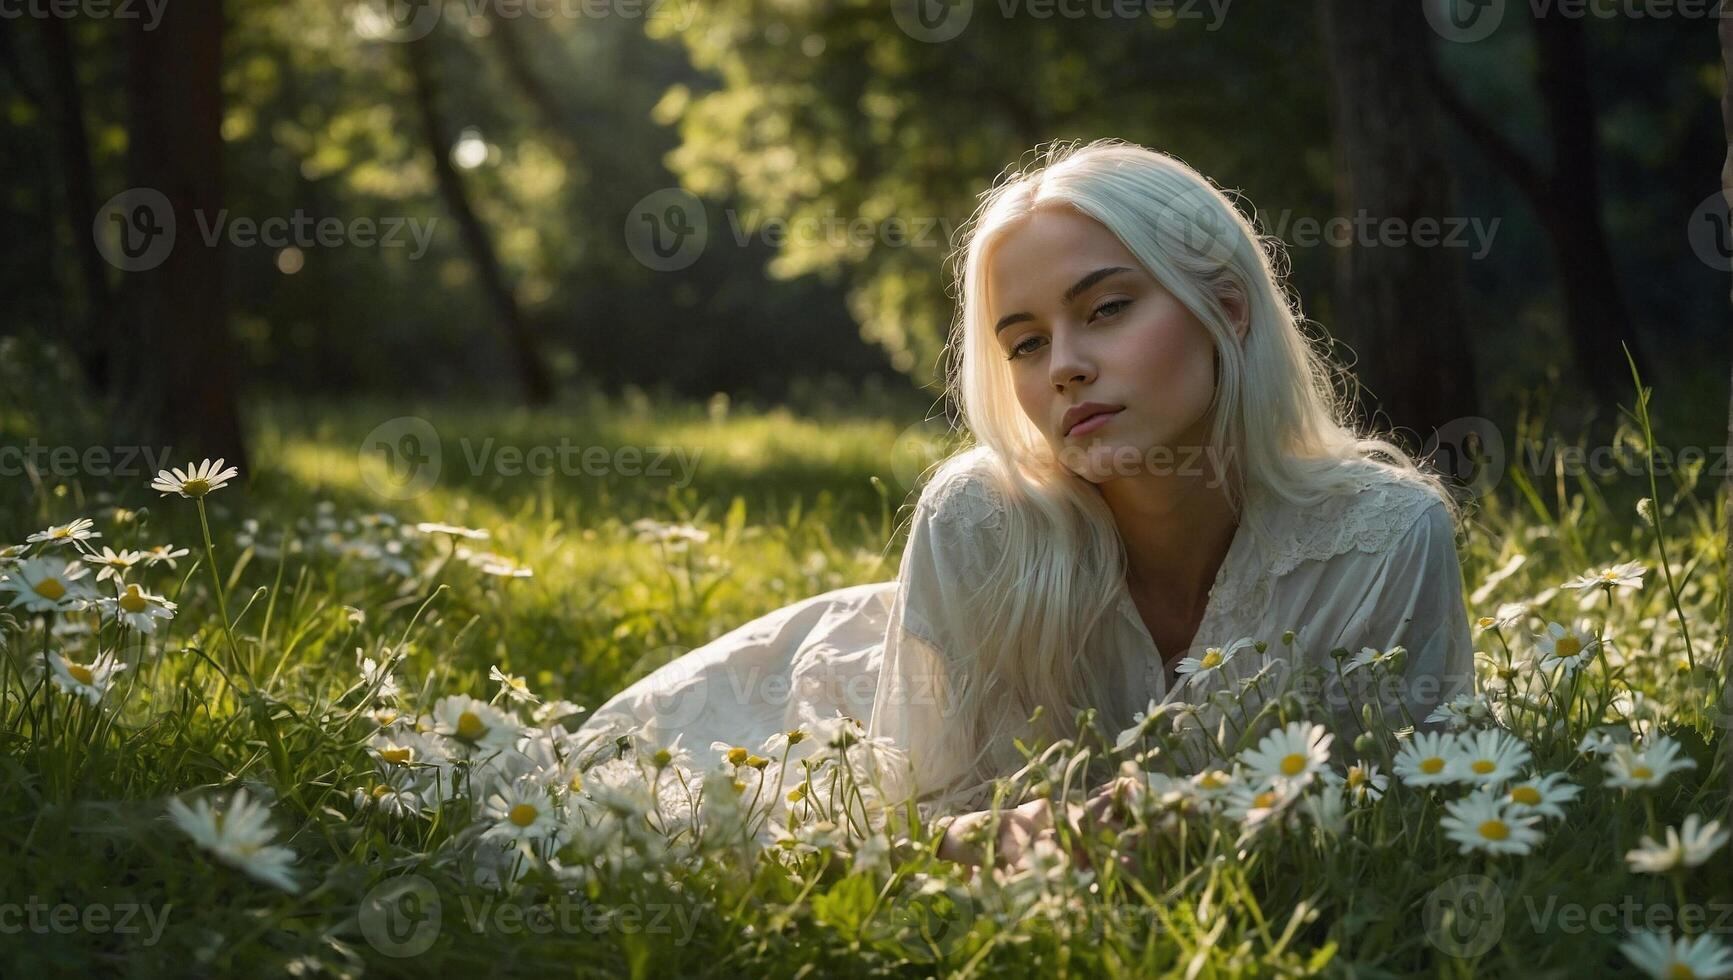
1374 509
964 489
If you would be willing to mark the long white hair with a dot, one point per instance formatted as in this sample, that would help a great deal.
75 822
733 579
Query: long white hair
1277 414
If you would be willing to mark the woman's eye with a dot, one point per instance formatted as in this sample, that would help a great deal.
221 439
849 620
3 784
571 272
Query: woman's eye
1022 347
1111 307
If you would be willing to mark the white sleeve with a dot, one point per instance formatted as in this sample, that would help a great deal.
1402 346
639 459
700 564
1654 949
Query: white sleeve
953 540
1417 604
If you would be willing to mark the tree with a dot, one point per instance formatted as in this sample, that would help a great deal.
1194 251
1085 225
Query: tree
1403 303
181 338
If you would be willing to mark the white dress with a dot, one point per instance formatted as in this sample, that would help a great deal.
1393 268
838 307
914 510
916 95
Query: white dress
1376 568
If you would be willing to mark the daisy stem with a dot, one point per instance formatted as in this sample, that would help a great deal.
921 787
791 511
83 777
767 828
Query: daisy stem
222 602
1655 501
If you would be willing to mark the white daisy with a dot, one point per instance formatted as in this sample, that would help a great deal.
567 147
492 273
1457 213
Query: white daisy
522 811
1687 846
137 608
164 554
1647 767
1362 783
194 481
238 834
1569 648
1254 805
488 563
1368 657
435 527
477 723
1429 759
1196 670
1461 712
113 564
1142 723
42 585
71 533
1483 821
1628 574
1295 754
512 686
1543 795
1491 757
1508 615
1603 739
89 681
1665 958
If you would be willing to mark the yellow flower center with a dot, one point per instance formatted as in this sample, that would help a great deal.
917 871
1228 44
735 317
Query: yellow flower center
1567 646
576 783
196 488
1527 795
1293 764
80 673
524 814
1483 766
1494 830
134 601
1211 658
469 726
1214 779
1642 772
737 756
1356 776
50 589
397 754
1486 621
1432 766
1264 800
1679 971
379 791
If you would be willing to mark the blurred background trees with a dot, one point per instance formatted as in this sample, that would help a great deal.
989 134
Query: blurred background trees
521 140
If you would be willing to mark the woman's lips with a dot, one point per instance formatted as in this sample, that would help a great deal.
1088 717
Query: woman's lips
1092 423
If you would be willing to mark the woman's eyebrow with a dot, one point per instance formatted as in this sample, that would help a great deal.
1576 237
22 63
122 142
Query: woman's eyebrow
1070 294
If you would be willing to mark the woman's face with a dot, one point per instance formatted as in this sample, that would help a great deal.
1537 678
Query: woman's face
1081 321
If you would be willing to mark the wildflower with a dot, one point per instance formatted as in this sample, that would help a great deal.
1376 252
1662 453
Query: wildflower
238 834
164 553
70 533
195 481
1368 657
89 681
511 685
1428 760
1508 615
553 711
138 609
46 586
474 722
1253 805
1687 846
1568 648
1196 670
1482 821
434 527
1603 739
393 801
1544 795
376 674
113 564
521 811
1142 723
488 563
1665 958
1293 754
1491 757
1362 782
1461 712
1645 768
1628 574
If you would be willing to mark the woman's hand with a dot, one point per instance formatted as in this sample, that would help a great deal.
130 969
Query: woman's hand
1019 829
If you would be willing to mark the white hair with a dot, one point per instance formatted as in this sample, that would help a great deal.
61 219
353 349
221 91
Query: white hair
1276 413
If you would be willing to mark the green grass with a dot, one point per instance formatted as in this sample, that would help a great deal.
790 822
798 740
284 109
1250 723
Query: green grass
791 508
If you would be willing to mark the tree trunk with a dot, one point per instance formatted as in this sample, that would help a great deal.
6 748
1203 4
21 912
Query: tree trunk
532 370
96 349
175 147
1401 304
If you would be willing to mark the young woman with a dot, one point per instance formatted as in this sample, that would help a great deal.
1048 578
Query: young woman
1162 466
